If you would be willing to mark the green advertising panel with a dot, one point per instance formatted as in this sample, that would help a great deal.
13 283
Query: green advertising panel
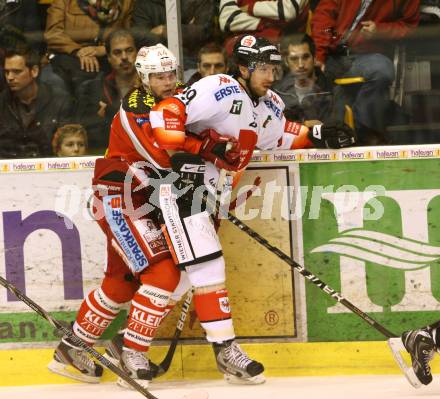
371 230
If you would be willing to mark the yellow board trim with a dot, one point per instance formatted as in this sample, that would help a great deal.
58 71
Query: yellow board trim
197 361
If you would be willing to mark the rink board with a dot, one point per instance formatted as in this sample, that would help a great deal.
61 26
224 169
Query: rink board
363 220
53 251
196 362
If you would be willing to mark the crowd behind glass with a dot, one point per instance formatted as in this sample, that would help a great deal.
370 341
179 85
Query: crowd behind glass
65 65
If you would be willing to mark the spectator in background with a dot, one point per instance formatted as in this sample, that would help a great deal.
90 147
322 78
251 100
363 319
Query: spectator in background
351 37
25 17
197 19
20 24
99 99
268 19
211 60
75 34
305 90
30 111
70 141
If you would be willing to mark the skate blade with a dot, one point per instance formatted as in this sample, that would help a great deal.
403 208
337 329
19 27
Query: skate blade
122 383
199 394
71 372
232 379
396 346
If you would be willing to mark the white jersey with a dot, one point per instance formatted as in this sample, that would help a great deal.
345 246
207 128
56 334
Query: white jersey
219 102
275 132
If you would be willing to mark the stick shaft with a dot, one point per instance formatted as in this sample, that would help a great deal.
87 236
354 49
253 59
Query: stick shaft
74 339
165 364
310 276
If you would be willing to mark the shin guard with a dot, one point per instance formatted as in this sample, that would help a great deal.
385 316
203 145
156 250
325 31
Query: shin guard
95 314
148 307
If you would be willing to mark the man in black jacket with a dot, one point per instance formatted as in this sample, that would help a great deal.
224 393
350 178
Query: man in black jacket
30 111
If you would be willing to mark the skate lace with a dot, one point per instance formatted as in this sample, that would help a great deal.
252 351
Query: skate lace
236 356
83 360
427 356
136 360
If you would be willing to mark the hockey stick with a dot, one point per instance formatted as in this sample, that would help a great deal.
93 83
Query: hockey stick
77 341
243 197
221 181
308 275
394 342
164 365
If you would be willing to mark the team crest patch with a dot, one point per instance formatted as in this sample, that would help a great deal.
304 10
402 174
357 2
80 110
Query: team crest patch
248 41
236 107
224 304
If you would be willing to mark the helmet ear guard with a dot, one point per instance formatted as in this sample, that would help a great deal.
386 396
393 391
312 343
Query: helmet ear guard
154 59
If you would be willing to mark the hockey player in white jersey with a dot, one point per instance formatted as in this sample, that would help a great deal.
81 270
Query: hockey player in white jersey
220 109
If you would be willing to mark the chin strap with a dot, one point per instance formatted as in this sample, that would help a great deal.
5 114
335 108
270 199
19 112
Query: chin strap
247 87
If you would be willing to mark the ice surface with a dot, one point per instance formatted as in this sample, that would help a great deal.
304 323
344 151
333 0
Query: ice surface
341 387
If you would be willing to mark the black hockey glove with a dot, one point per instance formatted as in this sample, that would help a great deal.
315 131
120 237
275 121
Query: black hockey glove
337 135
190 169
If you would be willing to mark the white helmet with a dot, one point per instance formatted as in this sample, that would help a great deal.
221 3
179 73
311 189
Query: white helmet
154 59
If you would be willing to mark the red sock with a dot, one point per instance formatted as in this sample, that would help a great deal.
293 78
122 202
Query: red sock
214 313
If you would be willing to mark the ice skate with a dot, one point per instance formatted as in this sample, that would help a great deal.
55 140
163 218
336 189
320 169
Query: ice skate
113 352
236 366
421 347
137 366
73 362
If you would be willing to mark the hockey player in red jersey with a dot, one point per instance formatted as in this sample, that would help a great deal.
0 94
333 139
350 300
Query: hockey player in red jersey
139 265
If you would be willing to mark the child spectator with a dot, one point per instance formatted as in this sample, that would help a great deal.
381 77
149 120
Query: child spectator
70 141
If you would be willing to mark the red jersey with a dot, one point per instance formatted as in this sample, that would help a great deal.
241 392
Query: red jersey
131 136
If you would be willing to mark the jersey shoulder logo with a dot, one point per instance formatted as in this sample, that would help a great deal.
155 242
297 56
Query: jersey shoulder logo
236 107
138 101
223 79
